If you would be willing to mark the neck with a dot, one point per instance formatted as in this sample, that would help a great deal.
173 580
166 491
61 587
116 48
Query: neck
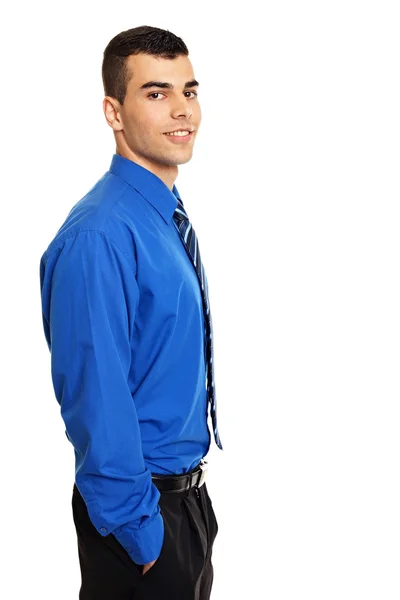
167 173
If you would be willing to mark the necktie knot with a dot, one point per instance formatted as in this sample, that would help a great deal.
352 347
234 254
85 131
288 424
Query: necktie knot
180 213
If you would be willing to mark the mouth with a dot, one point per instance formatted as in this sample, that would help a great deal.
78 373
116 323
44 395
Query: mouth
180 135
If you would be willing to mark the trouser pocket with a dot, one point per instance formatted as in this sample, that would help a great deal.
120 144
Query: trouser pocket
94 547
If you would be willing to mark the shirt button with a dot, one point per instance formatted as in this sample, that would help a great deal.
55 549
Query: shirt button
103 529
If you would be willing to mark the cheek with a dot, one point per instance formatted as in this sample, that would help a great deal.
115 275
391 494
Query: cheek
146 119
145 129
197 114
156 116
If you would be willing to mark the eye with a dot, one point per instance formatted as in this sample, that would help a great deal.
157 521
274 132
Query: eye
160 94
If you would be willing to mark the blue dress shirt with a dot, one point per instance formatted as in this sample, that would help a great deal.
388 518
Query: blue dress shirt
123 319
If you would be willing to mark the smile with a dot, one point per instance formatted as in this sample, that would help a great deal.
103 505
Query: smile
179 133
179 137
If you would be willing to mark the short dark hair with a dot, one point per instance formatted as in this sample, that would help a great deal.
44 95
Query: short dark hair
148 40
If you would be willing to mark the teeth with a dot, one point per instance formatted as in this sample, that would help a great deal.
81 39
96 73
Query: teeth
179 133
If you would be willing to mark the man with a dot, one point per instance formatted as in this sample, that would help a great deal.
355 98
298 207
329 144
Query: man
127 319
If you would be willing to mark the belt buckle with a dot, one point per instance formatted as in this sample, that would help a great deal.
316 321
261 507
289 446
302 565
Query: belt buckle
203 466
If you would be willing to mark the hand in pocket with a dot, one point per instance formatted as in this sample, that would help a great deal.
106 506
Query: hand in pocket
148 566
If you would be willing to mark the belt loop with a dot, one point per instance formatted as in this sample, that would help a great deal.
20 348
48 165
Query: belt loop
190 483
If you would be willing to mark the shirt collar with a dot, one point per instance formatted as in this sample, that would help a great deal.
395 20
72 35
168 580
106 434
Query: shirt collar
151 187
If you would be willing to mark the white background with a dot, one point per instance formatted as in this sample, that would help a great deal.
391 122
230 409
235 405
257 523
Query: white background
297 161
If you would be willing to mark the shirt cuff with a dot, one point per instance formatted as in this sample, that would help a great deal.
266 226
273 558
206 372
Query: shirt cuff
143 544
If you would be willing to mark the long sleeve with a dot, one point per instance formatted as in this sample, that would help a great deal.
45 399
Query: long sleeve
89 299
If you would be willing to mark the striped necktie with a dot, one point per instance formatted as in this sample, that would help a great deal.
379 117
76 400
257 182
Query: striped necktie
191 244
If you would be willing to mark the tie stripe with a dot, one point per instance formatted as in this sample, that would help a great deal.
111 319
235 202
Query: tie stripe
189 238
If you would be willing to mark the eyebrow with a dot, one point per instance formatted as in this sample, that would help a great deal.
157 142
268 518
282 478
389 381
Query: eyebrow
169 86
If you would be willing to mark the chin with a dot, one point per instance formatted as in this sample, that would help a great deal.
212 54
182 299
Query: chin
181 159
169 159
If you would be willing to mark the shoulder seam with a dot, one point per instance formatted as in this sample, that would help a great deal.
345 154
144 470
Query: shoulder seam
84 230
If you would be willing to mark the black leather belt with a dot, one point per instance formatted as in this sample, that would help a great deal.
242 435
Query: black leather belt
182 482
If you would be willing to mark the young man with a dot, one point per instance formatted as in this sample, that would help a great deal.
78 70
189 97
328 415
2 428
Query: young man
127 319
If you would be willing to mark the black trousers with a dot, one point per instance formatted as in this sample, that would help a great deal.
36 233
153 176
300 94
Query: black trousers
183 571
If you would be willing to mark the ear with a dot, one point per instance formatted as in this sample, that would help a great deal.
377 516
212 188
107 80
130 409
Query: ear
112 113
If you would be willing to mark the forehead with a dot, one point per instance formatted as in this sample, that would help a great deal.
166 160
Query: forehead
145 67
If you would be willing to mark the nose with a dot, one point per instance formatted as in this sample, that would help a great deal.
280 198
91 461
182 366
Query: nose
181 109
